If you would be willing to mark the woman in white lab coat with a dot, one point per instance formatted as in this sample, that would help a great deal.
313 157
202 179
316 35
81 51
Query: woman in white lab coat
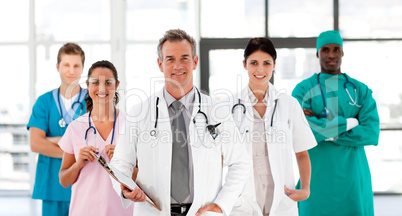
275 131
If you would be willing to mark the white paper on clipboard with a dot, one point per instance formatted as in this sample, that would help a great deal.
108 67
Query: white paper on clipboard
120 177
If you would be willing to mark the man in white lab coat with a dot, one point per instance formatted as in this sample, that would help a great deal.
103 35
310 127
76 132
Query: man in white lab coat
151 133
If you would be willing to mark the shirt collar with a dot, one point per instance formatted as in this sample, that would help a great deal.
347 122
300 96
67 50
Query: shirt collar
254 100
187 100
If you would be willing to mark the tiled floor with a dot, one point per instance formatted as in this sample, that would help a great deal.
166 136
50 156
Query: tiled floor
25 206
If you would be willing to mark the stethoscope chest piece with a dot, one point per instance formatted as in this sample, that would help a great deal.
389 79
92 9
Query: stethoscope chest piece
62 123
213 130
154 134
325 112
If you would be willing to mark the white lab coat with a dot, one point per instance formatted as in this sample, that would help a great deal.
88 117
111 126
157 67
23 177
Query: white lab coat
153 157
291 134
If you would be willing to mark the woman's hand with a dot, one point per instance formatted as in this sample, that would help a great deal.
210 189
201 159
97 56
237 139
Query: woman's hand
297 195
109 150
85 156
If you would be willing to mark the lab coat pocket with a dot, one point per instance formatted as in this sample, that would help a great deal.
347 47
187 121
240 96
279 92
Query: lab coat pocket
242 207
282 133
207 140
287 205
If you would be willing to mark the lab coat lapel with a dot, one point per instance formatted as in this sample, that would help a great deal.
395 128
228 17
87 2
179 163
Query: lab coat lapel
164 129
163 109
273 94
274 151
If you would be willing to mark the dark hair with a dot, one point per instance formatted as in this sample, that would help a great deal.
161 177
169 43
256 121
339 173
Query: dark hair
101 64
175 35
71 49
259 43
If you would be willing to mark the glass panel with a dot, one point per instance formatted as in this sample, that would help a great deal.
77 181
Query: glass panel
150 19
290 18
294 65
226 72
14 85
48 77
143 76
385 161
72 20
14 111
17 29
385 90
370 18
232 18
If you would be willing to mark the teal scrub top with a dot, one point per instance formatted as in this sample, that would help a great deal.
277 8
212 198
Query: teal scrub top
340 179
45 116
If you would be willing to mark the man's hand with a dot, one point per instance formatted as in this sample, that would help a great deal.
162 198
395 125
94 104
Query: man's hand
210 207
297 195
137 195
308 113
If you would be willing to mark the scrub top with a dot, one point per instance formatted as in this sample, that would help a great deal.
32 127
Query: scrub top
340 178
45 116
93 193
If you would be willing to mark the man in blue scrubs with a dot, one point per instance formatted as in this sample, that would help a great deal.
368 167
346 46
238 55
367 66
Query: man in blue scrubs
51 114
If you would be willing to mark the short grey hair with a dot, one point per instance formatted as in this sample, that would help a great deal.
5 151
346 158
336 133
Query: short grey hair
176 35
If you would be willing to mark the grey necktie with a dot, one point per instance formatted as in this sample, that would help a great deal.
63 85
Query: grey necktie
180 174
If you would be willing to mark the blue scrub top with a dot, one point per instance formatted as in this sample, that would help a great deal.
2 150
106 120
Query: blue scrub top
45 116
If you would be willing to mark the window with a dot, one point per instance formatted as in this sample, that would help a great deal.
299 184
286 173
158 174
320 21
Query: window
290 18
372 31
14 148
370 19
232 18
372 44
72 20
17 30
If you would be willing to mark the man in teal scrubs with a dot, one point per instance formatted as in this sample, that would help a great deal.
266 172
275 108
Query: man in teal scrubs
343 121
51 114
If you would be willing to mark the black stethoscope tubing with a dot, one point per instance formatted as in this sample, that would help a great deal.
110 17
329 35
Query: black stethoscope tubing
211 128
239 104
244 109
199 108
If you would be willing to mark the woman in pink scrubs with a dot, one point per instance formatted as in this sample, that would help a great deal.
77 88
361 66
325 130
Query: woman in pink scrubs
92 190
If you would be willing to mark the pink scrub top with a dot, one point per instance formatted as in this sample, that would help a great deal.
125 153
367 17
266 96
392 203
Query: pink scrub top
93 193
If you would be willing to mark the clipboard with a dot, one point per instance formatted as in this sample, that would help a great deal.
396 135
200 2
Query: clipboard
121 178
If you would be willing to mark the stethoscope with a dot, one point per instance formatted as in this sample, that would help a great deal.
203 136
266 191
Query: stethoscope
62 122
211 128
352 102
93 128
244 112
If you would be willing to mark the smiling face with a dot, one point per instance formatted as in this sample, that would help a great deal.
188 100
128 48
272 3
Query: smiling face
259 66
330 56
177 64
102 86
70 68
